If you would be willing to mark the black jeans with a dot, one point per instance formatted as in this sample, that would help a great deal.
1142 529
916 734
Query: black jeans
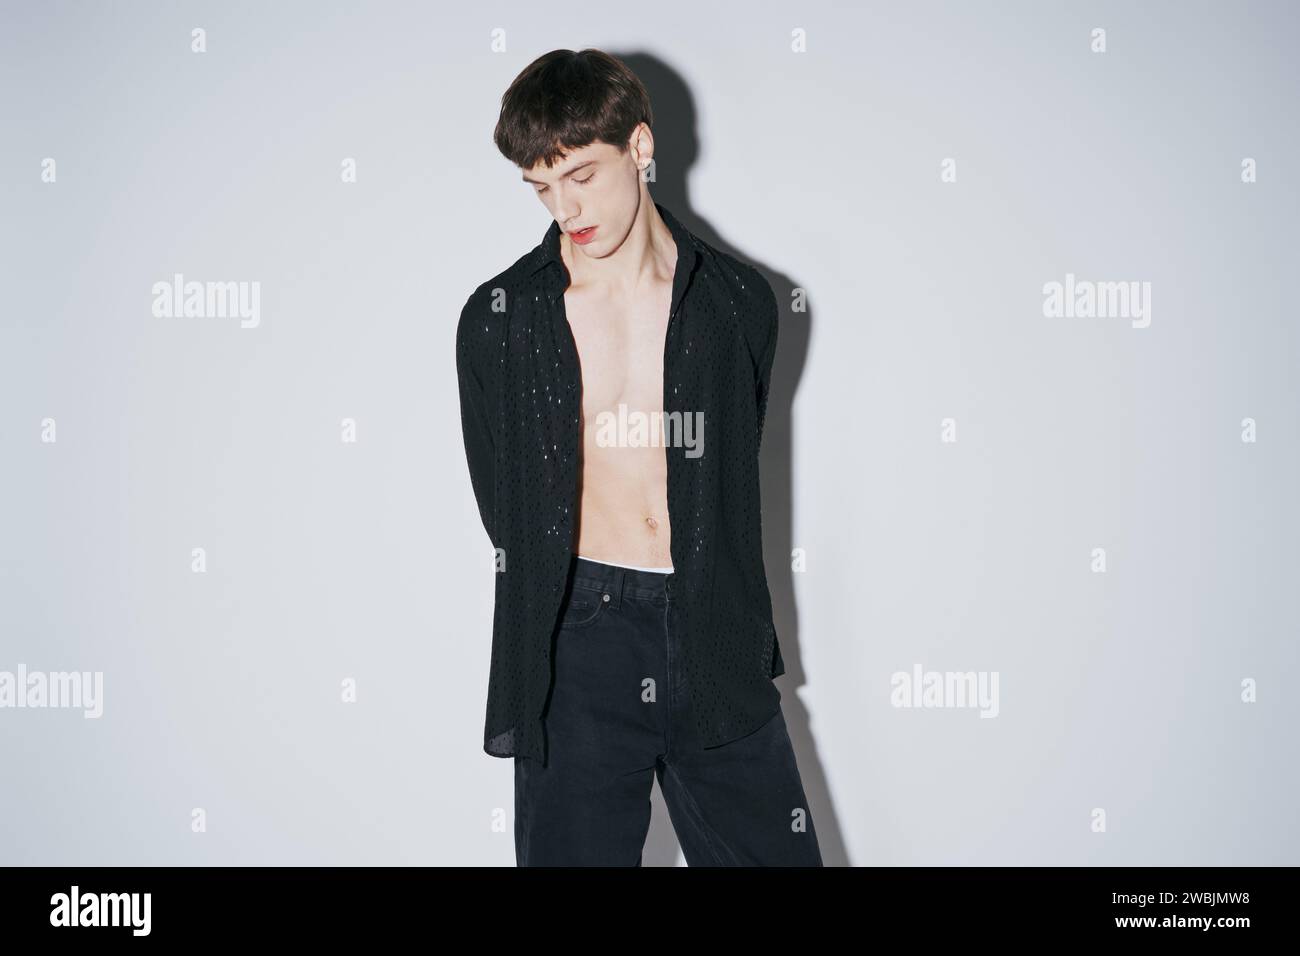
618 714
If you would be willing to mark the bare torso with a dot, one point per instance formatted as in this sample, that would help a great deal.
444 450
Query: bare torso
623 512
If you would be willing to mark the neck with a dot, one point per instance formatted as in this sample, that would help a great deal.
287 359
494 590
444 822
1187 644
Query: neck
649 251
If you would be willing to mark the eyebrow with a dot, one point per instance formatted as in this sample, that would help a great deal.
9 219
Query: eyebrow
569 173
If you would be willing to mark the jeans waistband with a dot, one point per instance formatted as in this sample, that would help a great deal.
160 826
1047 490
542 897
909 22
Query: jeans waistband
618 582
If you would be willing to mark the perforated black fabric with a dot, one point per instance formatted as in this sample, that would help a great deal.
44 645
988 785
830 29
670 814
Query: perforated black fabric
520 396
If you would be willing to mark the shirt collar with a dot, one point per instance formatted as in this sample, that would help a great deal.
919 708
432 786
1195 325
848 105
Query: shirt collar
548 253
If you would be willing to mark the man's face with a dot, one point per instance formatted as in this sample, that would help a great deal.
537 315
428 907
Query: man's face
594 186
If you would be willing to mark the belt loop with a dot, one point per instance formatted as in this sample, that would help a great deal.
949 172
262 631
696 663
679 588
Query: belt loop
616 584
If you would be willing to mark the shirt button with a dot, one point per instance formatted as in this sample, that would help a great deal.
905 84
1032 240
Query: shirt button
605 598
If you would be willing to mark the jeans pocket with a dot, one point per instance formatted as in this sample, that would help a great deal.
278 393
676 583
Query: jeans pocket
585 606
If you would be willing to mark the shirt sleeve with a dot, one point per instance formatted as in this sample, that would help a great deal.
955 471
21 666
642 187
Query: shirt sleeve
474 372
763 371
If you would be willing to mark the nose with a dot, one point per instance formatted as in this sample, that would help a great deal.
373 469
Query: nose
566 212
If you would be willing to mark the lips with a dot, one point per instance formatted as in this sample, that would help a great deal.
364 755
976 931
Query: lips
583 236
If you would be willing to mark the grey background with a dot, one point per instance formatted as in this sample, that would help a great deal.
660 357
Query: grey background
329 561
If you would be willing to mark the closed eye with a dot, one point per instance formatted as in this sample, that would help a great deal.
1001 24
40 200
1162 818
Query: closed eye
581 182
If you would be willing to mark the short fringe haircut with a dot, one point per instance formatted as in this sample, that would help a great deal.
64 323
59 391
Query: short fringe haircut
565 100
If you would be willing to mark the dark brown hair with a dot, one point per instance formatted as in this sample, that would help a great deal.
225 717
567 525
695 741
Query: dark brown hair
565 100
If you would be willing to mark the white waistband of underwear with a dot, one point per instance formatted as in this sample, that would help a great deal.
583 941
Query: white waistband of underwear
631 567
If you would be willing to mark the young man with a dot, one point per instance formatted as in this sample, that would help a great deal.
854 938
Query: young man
632 633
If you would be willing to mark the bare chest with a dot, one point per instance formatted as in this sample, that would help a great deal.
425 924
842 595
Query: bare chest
620 345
